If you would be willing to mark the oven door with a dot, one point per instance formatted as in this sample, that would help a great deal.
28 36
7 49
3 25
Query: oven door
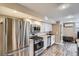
38 45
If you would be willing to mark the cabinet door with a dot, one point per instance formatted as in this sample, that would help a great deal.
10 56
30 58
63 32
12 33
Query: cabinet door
45 42
42 27
31 48
48 27
52 39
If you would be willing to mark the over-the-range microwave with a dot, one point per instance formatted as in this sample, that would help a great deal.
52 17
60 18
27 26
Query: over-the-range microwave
35 29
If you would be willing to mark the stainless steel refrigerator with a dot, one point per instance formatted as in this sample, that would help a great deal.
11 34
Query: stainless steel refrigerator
15 39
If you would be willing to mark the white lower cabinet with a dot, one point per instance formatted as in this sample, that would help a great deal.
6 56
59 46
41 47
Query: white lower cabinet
31 47
52 39
45 42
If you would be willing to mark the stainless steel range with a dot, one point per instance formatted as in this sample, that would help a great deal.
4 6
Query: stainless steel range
38 45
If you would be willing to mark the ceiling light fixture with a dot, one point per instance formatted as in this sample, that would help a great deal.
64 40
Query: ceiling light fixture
15 11
64 6
30 17
46 18
70 16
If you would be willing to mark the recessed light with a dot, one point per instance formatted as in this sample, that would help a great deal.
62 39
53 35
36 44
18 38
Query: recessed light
15 11
64 6
30 17
70 16
46 18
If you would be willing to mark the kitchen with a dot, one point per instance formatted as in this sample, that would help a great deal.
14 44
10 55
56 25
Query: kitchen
24 32
18 32
45 39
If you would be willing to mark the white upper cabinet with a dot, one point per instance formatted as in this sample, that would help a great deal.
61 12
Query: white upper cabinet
46 27
42 27
77 24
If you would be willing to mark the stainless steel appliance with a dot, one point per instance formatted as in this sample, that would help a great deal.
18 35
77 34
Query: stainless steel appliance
35 28
38 45
49 41
21 36
15 36
78 34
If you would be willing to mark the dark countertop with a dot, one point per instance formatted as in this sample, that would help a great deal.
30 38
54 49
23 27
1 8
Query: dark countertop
36 37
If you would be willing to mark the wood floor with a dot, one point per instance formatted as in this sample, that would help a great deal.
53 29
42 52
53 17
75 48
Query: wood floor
66 49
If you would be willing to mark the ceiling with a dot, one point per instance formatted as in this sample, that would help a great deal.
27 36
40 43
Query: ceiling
53 12
15 13
49 12
11 12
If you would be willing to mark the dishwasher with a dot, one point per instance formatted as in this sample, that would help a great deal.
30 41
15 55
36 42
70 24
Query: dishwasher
48 41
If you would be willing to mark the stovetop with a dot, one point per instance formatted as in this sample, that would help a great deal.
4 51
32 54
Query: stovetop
36 37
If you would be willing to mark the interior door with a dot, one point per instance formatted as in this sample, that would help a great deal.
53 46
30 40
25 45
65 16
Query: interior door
57 32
